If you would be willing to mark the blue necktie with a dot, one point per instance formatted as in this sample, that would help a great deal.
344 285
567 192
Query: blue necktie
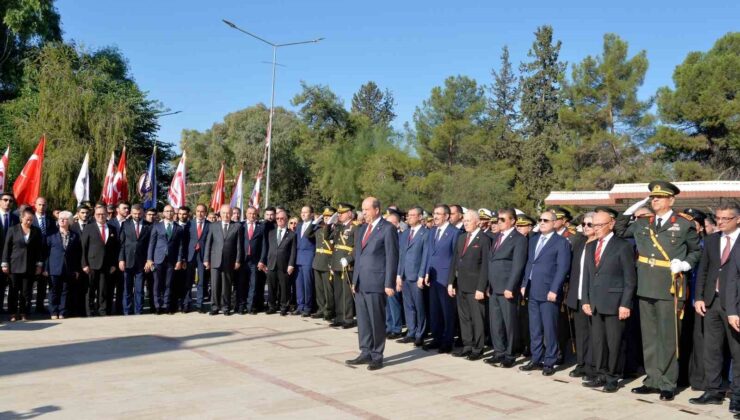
5 221
42 224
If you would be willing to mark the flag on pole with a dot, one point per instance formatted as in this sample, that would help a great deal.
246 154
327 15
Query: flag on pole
219 191
120 181
176 194
106 195
4 169
237 196
82 186
254 198
147 184
28 184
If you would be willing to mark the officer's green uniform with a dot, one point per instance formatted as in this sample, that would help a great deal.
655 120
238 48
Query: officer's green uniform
322 269
343 240
658 312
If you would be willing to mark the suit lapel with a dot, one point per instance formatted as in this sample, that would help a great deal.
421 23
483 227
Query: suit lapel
546 245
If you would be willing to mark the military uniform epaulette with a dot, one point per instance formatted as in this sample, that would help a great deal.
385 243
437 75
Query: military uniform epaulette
688 217
356 223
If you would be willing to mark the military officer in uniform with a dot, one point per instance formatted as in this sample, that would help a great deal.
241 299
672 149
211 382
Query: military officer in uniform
343 240
668 247
322 265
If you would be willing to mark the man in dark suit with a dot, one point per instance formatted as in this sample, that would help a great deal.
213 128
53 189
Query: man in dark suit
100 251
196 234
506 261
305 252
223 256
609 286
78 290
413 247
547 267
254 238
712 285
7 220
134 236
279 256
123 212
166 254
468 281
374 277
442 241
47 225
183 287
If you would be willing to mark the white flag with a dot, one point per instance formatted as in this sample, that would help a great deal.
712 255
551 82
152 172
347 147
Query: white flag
82 186
4 169
176 194
237 196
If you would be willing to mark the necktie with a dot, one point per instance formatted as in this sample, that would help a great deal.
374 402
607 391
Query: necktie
200 228
42 224
226 228
138 229
725 251
498 241
280 235
102 233
467 242
367 235
597 256
5 221
659 223
250 232
540 244
439 235
169 230
411 235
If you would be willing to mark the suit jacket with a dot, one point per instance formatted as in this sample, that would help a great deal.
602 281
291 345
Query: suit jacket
12 221
469 270
440 254
21 256
278 256
549 269
192 239
253 247
75 227
376 264
161 248
116 224
223 251
571 298
306 244
611 284
51 226
732 298
710 270
59 260
134 249
506 264
412 254
96 254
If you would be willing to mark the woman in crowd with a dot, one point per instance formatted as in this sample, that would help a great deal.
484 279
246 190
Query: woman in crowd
22 260
62 265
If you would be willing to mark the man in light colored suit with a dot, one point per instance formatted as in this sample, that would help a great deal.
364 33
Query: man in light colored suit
223 256
374 277
412 253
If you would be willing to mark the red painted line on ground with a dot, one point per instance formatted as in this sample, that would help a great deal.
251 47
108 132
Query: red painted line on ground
290 386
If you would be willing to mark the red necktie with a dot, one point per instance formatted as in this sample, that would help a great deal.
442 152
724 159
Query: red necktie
102 233
138 229
367 235
411 235
498 241
250 231
726 251
200 229
467 242
597 257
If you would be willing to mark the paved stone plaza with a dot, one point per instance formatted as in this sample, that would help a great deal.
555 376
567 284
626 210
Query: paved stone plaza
198 366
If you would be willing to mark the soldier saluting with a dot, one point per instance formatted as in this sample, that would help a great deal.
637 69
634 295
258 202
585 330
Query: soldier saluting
668 246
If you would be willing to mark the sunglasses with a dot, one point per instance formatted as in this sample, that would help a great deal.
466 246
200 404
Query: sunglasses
546 221
10 200
587 224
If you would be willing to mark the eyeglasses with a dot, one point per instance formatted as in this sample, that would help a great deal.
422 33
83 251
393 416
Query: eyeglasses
546 221
9 200
599 225
500 220
587 224
726 219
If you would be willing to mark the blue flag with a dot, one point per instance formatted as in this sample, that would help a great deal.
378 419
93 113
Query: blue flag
148 183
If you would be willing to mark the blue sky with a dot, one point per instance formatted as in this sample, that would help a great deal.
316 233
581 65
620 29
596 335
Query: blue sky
183 55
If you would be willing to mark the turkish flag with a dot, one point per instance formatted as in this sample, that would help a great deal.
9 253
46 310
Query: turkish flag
107 195
217 199
28 184
120 181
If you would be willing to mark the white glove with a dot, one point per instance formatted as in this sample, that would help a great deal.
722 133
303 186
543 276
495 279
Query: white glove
636 206
333 219
678 266
317 220
344 262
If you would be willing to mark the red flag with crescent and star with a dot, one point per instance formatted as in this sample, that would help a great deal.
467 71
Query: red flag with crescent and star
28 184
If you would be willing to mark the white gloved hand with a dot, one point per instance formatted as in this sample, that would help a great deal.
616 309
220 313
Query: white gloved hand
333 219
344 262
636 206
678 266
317 220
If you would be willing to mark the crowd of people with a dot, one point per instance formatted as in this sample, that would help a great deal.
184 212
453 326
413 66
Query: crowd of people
650 290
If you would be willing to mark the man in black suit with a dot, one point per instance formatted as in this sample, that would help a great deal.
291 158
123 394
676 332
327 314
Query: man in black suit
78 290
373 280
278 255
134 236
7 220
254 295
47 225
197 233
100 251
609 285
223 256
468 281
713 281
506 261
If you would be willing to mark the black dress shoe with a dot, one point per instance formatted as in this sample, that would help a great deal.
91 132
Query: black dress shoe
577 373
531 366
317 315
475 356
548 371
508 363
431 346
296 312
611 387
359 360
283 313
336 324
666 395
560 360
406 340
707 398
444 349
419 342
598 383
243 311
270 311
215 312
643 390
348 325
305 315
227 312
495 359
461 353
373 365
735 406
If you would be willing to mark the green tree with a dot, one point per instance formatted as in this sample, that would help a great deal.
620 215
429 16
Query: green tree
502 110
374 104
700 114
322 112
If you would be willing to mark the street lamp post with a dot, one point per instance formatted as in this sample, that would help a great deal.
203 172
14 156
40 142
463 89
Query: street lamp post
272 96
